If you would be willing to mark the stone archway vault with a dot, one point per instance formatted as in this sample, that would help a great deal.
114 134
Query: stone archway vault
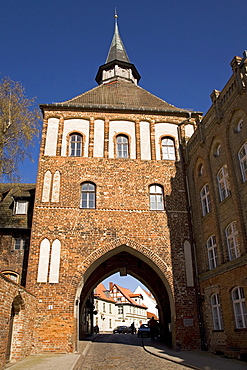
139 262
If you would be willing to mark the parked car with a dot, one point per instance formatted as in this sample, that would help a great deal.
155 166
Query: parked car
122 330
143 331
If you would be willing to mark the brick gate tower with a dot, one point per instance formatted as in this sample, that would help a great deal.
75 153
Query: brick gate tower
111 197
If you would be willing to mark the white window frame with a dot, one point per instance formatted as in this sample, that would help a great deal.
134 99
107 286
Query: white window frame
21 207
168 148
242 156
122 146
156 197
77 143
212 252
231 232
223 183
239 306
120 310
20 242
216 312
88 195
205 200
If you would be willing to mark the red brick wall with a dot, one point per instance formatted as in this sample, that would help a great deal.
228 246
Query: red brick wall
122 217
23 321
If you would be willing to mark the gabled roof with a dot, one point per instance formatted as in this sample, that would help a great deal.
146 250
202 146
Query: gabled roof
127 294
100 293
118 95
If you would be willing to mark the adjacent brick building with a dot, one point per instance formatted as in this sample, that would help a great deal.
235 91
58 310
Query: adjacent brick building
217 169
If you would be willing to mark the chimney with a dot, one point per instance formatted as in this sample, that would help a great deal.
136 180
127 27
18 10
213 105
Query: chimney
110 286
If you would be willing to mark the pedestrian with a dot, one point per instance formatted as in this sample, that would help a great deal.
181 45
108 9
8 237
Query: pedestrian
153 328
96 329
133 329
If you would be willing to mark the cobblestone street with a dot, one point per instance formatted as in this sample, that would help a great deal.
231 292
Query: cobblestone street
123 352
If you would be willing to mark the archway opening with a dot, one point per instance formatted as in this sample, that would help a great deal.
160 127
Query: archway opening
126 261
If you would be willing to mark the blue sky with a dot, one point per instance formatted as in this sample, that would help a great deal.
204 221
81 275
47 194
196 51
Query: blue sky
182 49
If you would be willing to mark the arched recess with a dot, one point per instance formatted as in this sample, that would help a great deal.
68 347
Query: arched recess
17 303
142 264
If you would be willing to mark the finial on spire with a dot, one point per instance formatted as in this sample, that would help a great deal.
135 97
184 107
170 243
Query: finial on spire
115 15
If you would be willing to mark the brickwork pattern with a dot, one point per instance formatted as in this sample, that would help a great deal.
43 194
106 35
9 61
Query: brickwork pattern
122 218
23 320
219 128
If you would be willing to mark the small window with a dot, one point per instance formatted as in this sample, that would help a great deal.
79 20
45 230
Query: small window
21 243
217 150
223 183
205 200
75 145
240 125
232 241
212 252
200 170
103 307
239 306
88 191
122 146
168 149
242 156
12 276
110 324
216 310
21 207
156 198
120 310
110 308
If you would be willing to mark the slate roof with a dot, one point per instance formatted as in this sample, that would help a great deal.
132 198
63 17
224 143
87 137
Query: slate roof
10 192
117 50
119 95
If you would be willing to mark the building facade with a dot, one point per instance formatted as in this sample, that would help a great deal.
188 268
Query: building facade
217 169
105 309
149 302
111 197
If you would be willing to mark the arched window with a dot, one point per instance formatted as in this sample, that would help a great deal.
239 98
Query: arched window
239 306
223 183
205 200
12 275
212 252
168 148
122 146
216 311
242 156
156 198
75 145
232 240
88 195
200 170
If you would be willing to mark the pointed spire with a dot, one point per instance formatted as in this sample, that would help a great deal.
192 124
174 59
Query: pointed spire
117 65
117 50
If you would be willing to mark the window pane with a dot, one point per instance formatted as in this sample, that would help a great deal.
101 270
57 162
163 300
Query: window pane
122 147
21 207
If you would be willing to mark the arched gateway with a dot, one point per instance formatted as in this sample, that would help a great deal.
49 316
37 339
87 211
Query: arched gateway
111 197
133 260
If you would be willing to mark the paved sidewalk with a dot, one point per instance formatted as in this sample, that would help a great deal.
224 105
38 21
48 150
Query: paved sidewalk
199 360
71 361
